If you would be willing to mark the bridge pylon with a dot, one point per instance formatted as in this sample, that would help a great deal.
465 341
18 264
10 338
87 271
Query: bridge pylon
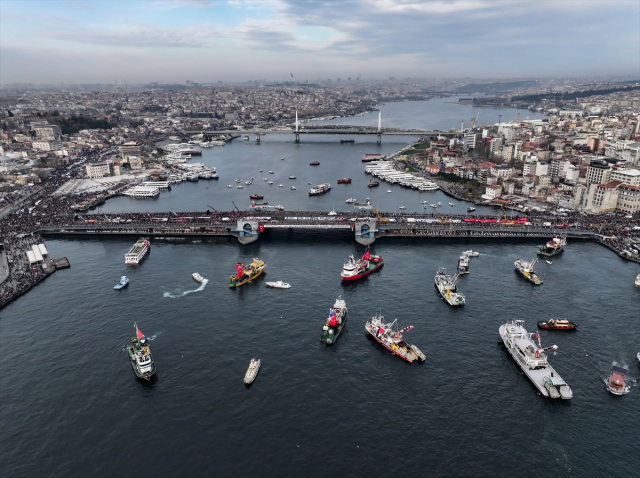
248 230
366 232
297 137
379 139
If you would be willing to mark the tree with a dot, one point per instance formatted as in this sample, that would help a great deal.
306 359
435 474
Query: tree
10 113
55 113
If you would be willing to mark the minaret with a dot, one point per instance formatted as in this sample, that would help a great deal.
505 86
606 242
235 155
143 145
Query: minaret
296 119
379 120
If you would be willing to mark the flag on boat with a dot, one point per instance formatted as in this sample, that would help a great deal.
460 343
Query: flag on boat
366 256
332 318
239 269
537 335
139 334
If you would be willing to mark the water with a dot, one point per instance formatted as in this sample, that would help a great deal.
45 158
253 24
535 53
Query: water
71 405
243 160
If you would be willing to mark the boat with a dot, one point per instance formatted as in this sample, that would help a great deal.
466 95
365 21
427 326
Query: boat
638 280
239 186
270 182
532 359
248 183
439 203
391 339
320 189
344 181
279 207
247 273
363 206
403 207
448 288
197 277
246 138
229 186
557 324
137 252
271 172
356 269
280 185
140 355
423 202
351 200
549 262
261 170
373 184
315 163
388 190
332 212
265 179
553 247
256 196
525 269
471 209
452 204
617 381
471 253
293 188
252 371
123 282
433 205
278 285
292 177
463 264
238 180
347 141
335 323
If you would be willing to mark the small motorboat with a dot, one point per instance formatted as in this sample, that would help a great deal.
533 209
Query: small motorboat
471 209
548 262
238 180
256 196
351 200
471 253
402 207
279 207
433 205
293 188
452 204
229 186
280 186
271 172
252 371
616 383
439 204
638 280
265 179
282 159
554 324
292 177
239 186
261 170
270 182
248 182
423 202
388 190
315 163
332 212
308 183
373 184
278 285
197 277
124 281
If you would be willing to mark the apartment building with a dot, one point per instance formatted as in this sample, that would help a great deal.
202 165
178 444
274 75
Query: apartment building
99 169
47 145
598 172
626 176
628 198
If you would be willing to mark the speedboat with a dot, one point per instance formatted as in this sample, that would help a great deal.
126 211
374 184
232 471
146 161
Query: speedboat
239 186
238 180
433 205
616 383
402 207
440 204
423 202
351 200
252 371
293 188
388 190
248 182
471 253
229 186
278 285
261 170
197 277
270 182
452 204
292 177
471 209
265 179
271 172
548 262
124 281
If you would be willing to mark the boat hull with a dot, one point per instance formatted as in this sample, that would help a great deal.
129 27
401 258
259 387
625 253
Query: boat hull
533 278
244 280
390 349
371 268
546 326
550 252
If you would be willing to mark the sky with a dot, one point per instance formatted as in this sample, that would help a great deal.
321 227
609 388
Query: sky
172 41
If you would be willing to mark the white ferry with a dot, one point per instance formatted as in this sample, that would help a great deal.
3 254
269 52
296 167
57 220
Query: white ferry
137 252
319 189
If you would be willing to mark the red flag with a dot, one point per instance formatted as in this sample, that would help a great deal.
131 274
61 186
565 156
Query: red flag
366 256
140 334
537 336
333 321
239 269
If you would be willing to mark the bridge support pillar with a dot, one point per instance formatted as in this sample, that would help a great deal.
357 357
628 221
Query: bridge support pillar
248 230
379 139
258 138
366 232
297 138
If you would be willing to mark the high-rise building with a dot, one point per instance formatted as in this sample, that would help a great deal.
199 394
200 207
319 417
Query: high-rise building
598 172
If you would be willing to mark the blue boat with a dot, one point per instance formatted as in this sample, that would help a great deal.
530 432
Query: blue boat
124 281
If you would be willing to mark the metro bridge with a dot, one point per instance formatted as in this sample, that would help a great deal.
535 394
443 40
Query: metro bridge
247 227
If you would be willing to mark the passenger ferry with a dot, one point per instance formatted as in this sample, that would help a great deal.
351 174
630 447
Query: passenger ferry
137 252
319 189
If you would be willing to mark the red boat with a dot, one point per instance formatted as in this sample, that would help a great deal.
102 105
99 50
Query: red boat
353 269
315 163
344 181
553 324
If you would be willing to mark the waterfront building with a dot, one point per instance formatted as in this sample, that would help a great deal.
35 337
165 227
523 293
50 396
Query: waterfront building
626 176
47 145
628 198
99 169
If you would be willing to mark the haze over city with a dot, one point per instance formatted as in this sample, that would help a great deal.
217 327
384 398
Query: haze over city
206 40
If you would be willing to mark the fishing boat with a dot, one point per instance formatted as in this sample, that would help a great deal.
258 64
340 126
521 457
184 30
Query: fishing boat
315 163
356 269
123 282
553 247
448 288
532 360
335 323
351 200
617 381
373 184
256 196
463 264
471 209
471 253
525 269
320 189
197 277
292 177
140 355
344 181
391 338
557 324
278 285
252 371
638 280
137 252
402 207
246 273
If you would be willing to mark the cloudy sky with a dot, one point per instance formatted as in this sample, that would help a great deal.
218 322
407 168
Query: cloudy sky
207 40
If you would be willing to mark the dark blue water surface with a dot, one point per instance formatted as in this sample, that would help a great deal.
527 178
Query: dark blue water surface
71 405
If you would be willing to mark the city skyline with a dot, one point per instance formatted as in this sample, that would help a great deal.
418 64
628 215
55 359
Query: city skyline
207 41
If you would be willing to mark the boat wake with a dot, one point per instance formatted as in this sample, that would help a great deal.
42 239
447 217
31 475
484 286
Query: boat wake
175 296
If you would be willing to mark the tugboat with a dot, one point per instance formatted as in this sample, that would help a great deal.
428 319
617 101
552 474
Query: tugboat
247 273
256 196
363 267
525 269
553 247
616 383
463 264
392 339
344 181
555 324
532 359
448 288
373 184
124 281
315 163
335 323
252 371
141 358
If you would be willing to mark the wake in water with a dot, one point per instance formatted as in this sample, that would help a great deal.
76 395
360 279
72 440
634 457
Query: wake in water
175 296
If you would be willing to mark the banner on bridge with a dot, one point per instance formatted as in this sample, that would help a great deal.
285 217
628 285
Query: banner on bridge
307 226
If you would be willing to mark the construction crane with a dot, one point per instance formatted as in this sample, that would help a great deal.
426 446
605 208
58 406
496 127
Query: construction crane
442 219
213 208
378 218
234 205
474 121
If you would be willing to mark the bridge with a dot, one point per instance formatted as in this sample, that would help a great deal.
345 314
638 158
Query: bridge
248 227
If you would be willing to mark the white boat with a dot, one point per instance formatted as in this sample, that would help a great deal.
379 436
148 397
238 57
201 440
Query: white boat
238 180
240 186
532 359
388 190
351 200
402 207
292 177
278 285
319 189
549 262
463 264
293 188
433 205
271 172
248 182
332 212
439 204
617 381
452 204
252 371
279 207
197 277
141 192
265 179
471 253
229 186
137 252
638 280
280 186
270 182
124 281
261 170
448 288
423 202
525 269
